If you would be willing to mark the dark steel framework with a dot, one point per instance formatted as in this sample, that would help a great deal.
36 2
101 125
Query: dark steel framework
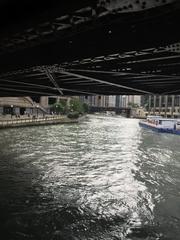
91 47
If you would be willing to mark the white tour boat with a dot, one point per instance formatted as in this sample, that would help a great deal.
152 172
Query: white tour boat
160 124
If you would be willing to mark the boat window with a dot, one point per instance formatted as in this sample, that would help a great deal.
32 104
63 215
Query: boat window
160 122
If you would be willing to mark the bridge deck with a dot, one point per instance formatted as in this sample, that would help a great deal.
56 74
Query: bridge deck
91 47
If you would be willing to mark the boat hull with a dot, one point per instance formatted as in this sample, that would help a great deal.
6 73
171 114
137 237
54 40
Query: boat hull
161 130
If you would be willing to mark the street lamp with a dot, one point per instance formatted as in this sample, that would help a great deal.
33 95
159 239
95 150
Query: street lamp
37 107
56 111
11 110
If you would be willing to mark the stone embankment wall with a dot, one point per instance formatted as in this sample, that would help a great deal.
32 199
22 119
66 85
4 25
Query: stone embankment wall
36 121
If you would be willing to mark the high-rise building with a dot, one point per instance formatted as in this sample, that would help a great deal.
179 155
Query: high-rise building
113 100
164 105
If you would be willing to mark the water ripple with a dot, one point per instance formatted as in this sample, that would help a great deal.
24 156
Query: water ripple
102 179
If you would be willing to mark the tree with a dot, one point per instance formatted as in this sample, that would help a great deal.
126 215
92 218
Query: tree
85 107
133 105
60 107
76 106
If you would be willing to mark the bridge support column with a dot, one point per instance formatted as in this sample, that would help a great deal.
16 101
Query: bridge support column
154 104
172 108
149 105
128 113
166 104
160 104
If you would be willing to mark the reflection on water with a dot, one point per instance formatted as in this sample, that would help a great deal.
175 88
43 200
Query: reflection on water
104 179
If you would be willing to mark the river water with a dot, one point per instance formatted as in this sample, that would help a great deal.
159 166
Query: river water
103 179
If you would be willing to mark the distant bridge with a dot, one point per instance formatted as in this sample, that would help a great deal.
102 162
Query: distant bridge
118 110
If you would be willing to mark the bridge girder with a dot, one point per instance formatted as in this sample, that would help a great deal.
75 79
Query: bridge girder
106 47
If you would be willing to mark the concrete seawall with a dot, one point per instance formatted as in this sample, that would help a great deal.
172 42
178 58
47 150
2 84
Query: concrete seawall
11 123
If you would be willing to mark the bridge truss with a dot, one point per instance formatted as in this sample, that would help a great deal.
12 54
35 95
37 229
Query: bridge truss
91 47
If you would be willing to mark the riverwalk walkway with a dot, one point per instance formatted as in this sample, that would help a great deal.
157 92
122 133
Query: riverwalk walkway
23 121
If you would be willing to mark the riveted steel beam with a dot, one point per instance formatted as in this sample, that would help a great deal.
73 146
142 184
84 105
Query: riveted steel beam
72 73
52 79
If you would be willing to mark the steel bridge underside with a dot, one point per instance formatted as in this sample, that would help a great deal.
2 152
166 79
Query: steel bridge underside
113 47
